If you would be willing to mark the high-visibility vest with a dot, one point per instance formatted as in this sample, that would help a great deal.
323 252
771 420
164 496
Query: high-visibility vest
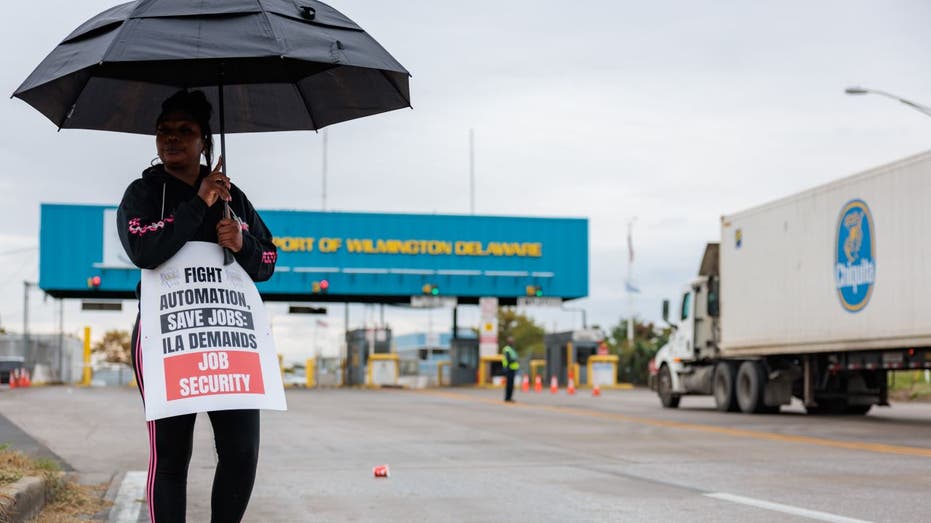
510 358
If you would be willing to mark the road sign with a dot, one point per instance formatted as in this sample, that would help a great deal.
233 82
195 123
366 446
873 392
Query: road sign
428 302
87 305
533 301
299 309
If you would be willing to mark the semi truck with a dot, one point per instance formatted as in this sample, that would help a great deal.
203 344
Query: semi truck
816 296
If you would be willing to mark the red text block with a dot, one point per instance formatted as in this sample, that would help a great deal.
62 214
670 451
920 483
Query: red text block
212 373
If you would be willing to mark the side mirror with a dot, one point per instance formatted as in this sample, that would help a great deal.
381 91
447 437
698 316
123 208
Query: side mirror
673 326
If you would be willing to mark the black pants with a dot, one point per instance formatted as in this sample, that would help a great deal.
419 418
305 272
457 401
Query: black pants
236 436
509 386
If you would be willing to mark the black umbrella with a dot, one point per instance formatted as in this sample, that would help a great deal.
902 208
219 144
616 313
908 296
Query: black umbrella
283 65
269 65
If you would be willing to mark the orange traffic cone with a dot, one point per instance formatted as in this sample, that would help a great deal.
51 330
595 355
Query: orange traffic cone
570 388
14 378
554 385
596 390
24 380
538 384
525 384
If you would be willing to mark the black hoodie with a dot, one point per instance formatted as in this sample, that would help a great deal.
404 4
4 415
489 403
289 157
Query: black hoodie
160 213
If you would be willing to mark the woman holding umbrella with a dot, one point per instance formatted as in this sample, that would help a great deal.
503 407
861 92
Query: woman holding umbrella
273 66
176 201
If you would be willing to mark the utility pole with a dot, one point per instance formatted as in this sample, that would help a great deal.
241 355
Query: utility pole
323 193
26 286
471 171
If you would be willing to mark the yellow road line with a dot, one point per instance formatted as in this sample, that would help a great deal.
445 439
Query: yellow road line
738 433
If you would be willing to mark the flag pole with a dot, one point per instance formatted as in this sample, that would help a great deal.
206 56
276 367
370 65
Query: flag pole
629 283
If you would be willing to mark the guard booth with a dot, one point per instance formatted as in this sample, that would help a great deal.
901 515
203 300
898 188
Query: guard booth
360 343
568 352
463 361
491 370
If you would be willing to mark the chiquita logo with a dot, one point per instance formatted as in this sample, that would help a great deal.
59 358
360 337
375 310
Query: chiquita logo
855 256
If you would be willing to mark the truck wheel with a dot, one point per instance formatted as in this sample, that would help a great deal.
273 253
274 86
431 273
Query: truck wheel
723 387
749 387
664 388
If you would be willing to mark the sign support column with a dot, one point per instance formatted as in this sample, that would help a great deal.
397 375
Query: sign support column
488 334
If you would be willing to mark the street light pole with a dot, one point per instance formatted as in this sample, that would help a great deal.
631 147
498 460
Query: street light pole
863 90
578 309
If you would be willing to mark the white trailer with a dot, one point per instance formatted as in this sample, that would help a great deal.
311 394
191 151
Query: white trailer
817 296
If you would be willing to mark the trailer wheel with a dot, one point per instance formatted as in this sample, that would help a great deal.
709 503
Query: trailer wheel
749 387
664 388
723 387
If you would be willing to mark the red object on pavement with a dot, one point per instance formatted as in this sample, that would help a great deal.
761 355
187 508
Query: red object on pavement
381 471
554 385
14 379
596 390
570 388
525 384
538 384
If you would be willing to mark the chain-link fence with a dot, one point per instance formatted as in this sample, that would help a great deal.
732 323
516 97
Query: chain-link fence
49 358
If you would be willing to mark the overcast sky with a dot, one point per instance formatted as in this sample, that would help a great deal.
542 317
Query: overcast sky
675 112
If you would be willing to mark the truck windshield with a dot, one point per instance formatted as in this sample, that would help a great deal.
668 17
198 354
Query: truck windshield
686 305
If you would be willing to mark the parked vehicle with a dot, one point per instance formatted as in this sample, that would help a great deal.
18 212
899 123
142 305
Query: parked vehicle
815 296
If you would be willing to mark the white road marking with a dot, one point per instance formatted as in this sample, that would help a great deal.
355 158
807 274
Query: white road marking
786 509
129 499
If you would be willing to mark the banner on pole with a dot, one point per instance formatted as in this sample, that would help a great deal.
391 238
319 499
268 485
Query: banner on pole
206 338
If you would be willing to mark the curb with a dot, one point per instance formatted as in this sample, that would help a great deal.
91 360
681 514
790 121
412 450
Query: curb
110 495
22 501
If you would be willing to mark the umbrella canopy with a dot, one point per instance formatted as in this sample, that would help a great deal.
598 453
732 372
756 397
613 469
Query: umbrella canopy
283 64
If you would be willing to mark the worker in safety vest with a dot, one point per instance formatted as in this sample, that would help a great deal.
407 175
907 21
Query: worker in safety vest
510 364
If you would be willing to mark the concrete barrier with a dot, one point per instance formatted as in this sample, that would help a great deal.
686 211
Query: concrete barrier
22 501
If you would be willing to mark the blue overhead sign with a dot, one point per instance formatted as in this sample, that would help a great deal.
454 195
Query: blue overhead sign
349 256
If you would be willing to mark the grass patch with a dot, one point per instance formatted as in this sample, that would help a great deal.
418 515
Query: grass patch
14 466
909 386
67 500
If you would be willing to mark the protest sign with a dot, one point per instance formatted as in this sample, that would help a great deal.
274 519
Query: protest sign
206 339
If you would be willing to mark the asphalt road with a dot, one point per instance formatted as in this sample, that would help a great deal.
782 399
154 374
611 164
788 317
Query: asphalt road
463 455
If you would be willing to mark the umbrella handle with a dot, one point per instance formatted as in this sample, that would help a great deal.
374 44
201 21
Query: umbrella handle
227 254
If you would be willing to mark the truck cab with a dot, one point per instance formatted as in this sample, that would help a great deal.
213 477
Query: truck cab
693 345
